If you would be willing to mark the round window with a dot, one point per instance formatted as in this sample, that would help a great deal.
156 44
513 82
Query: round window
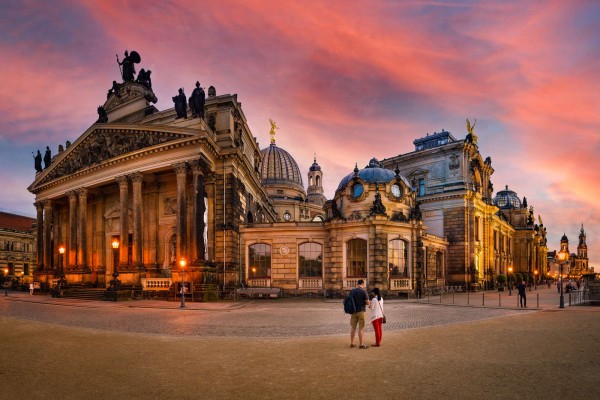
287 216
396 190
357 190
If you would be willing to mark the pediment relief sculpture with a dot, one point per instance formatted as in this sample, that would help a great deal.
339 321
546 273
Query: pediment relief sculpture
104 145
127 92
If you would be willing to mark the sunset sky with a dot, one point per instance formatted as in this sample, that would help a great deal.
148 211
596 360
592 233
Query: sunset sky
347 80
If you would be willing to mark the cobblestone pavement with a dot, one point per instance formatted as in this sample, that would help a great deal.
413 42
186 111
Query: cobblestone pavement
294 349
260 318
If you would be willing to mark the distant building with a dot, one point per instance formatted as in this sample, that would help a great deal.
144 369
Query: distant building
17 245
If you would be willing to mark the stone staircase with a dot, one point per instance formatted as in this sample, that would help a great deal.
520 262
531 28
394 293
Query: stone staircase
84 294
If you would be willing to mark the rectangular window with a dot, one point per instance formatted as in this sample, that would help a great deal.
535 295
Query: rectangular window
477 228
422 187
356 258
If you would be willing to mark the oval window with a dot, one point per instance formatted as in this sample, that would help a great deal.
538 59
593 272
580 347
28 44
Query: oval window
357 190
396 191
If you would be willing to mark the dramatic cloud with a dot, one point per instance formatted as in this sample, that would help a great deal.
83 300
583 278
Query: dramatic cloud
345 80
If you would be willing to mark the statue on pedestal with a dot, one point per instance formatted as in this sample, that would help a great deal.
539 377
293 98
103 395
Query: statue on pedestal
37 160
128 71
197 102
47 157
180 104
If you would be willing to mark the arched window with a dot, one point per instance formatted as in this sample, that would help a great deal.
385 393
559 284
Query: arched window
317 181
397 252
356 258
310 260
439 264
259 259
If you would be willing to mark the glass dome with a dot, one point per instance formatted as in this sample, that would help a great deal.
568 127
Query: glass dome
279 167
506 199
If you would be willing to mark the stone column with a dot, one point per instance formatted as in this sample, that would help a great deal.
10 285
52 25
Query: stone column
123 220
137 178
198 245
181 173
210 196
47 233
40 234
82 216
72 246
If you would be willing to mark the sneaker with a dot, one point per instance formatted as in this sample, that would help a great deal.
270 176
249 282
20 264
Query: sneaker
363 346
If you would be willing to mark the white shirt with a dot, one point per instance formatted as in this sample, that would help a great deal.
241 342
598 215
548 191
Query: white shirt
376 307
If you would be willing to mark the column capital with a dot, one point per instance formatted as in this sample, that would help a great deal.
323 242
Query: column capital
199 166
71 194
122 181
136 177
82 192
38 205
47 203
180 168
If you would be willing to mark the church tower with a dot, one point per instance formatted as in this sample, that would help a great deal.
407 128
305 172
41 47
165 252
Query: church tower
315 184
582 261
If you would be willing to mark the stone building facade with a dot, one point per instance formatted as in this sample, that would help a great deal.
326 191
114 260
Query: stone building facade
455 193
18 255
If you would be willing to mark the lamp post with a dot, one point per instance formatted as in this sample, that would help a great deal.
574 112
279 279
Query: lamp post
535 279
563 256
510 269
115 283
5 282
182 263
61 252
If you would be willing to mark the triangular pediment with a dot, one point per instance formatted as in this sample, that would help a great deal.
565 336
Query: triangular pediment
101 145
127 93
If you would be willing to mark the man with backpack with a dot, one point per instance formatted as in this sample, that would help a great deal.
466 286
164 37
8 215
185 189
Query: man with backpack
357 318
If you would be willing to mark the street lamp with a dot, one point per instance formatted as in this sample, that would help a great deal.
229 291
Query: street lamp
61 252
115 283
182 263
510 269
5 282
563 256
535 279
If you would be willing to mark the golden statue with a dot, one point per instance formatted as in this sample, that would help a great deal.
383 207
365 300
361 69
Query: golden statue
471 137
272 132
471 128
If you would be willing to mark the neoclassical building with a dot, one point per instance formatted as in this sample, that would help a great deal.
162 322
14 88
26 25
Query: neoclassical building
142 189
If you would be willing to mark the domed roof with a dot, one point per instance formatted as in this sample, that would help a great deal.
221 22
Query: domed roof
372 173
564 238
315 166
506 199
278 167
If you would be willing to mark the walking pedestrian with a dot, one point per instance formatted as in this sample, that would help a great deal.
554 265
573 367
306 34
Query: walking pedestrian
522 294
357 319
31 289
376 307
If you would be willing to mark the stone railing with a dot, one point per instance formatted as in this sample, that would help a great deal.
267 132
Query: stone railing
400 284
259 282
156 283
350 283
310 283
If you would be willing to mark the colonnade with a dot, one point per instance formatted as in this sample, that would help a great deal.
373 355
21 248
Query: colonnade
191 243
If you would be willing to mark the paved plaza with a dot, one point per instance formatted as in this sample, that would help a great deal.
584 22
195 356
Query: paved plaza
475 346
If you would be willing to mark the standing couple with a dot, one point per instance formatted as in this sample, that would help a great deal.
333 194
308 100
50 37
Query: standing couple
375 304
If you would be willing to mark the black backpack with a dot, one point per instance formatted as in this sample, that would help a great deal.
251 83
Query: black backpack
349 306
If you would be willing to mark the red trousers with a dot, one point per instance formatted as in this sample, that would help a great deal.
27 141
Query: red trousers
377 329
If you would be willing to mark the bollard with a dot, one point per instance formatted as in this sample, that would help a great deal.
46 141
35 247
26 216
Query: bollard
499 300
452 297
538 300
440 297
483 299
468 297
